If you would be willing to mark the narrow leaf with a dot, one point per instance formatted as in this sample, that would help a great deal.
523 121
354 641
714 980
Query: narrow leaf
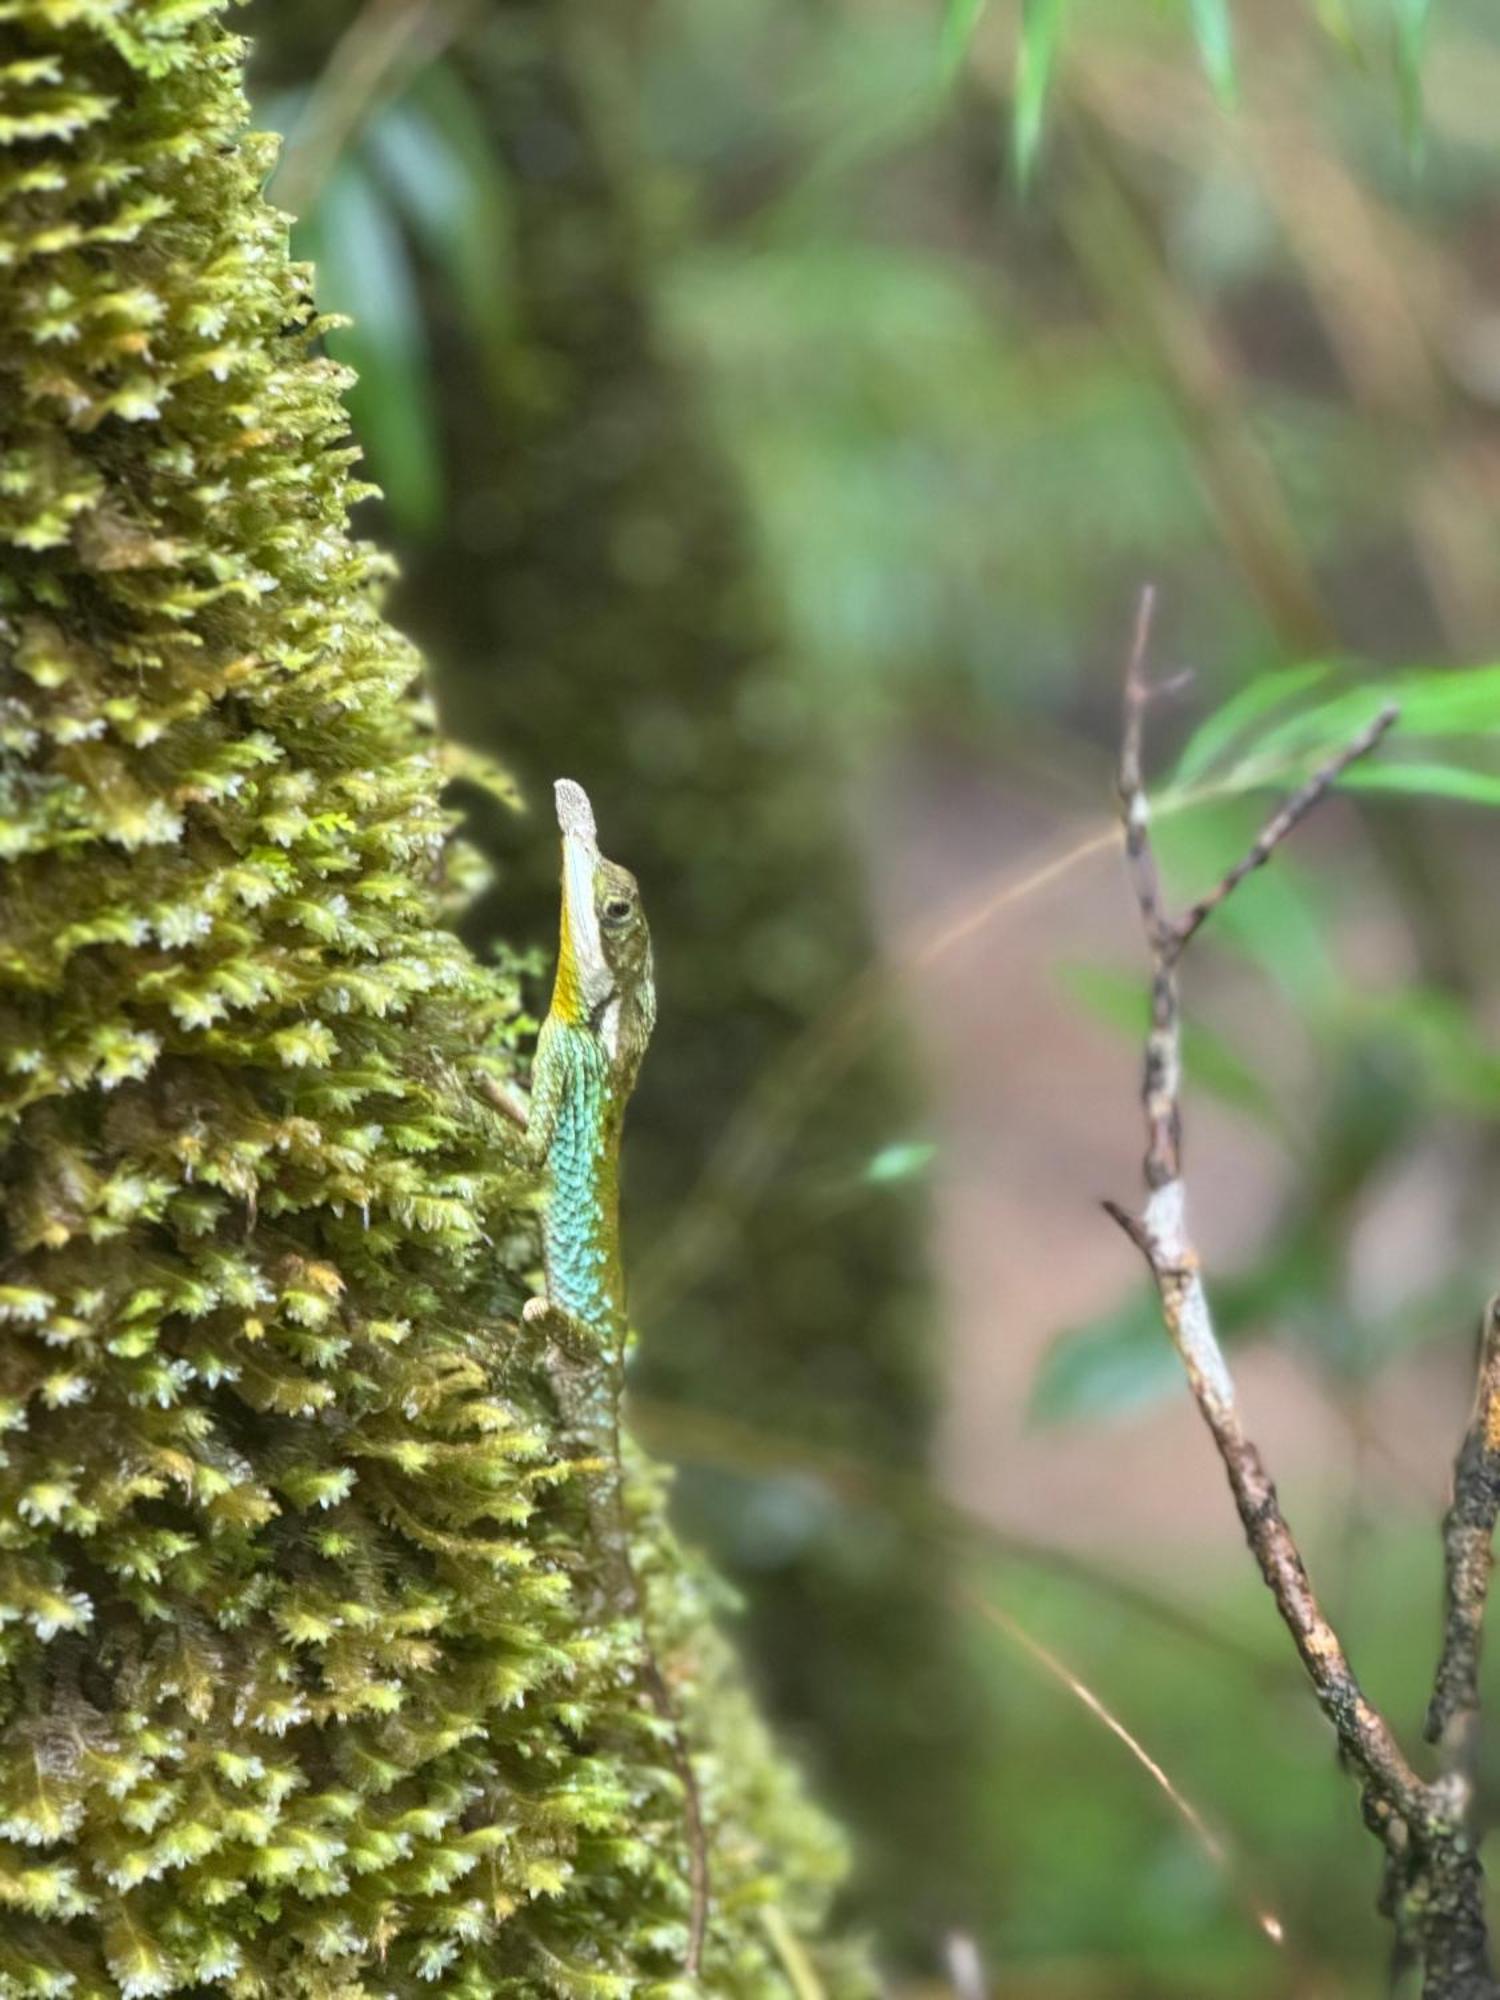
1412 18
1455 1054
1215 37
1308 735
1121 1362
1262 695
364 270
960 19
1465 702
1278 922
1333 19
430 149
1041 27
1445 781
903 1160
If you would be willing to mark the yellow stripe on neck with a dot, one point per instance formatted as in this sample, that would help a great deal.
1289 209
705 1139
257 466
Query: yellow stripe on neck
567 987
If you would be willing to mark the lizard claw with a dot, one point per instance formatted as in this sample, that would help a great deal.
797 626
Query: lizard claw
536 1309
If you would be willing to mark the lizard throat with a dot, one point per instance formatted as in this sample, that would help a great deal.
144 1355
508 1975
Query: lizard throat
581 1224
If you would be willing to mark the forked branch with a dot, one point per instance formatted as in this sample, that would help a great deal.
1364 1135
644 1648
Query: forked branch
1434 1887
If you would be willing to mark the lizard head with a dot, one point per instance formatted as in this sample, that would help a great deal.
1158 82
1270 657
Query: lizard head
604 973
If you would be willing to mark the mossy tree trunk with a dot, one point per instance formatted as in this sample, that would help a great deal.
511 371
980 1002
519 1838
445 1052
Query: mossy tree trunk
298 1693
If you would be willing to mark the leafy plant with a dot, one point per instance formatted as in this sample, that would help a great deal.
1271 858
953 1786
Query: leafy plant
419 186
1386 1061
1039 33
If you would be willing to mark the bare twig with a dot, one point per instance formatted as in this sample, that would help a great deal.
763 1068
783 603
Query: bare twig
1433 1888
696 1436
385 42
754 1139
1210 1842
1287 817
1468 1531
802 1975
1363 1733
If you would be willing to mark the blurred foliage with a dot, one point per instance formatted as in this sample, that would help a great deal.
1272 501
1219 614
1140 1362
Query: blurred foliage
1397 27
842 371
418 187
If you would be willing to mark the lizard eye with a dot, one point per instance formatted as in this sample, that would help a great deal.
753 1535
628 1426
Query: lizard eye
616 910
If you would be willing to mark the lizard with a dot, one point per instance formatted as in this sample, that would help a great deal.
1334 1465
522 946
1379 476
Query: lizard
588 1055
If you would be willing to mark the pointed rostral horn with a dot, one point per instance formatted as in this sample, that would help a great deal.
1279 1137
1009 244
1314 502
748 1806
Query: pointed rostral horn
584 980
575 815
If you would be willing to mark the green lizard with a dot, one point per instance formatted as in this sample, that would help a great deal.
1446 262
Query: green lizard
587 1058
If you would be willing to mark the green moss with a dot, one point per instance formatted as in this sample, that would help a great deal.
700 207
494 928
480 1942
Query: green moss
295 1696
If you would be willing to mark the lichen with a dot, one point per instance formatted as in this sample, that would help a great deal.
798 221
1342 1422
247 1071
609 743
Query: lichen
296 1693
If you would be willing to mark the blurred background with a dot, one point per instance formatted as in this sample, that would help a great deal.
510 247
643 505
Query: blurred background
778 405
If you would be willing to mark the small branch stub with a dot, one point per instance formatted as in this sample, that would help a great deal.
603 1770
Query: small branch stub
1468 1532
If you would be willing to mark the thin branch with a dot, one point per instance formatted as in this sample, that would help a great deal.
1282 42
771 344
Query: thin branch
1283 821
1363 1733
1468 1531
384 43
1434 1889
695 1436
1161 1235
1135 807
1212 1845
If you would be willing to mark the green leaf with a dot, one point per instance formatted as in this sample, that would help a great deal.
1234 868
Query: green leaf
1122 1362
1411 18
1444 781
1460 703
1277 920
1288 748
1258 698
960 19
1457 1061
1041 27
1214 32
364 270
430 149
1333 18
902 1161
